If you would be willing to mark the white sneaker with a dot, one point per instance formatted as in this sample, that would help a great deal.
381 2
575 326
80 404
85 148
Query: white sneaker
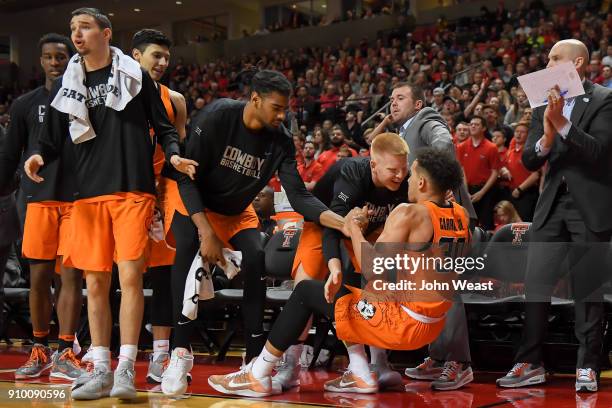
586 380
174 378
287 375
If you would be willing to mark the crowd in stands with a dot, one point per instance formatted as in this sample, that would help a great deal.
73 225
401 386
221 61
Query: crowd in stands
468 70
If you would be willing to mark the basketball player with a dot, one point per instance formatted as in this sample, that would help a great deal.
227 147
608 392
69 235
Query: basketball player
433 173
47 222
151 48
115 185
240 146
379 182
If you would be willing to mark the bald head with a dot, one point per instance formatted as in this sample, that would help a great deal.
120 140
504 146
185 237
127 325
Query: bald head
569 51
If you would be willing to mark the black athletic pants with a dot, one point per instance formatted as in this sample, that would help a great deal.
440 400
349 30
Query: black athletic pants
247 241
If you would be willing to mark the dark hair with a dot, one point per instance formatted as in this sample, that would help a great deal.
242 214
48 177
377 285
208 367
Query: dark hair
146 36
58 39
442 168
482 120
338 127
326 140
417 92
101 19
265 81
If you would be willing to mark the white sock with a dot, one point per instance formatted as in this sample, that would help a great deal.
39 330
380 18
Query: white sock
160 347
128 353
101 357
359 361
294 353
378 356
264 364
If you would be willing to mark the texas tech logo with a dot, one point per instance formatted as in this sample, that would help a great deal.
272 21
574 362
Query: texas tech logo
519 229
288 234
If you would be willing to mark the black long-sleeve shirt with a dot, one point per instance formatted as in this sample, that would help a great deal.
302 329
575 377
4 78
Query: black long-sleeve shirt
120 157
235 163
27 117
353 187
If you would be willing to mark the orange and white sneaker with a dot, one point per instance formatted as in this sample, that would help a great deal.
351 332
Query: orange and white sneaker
38 363
350 382
243 383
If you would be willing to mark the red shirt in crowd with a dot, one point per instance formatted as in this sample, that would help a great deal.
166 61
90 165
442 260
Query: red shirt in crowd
329 157
478 161
329 101
514 164
311 172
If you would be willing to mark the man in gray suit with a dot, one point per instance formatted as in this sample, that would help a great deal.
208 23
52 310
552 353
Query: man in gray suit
448 364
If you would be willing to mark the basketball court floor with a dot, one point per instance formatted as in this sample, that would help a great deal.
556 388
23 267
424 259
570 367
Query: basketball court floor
482 393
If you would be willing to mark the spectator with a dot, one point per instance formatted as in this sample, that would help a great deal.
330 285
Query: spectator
310 170
352 128
607 60
515 113
264 208
480 161
462 133
298 143
606 73
329 157
523 184
329 101
505 213
197 107
321 141
438 99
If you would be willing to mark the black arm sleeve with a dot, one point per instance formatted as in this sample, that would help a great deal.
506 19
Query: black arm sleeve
12 145
347 195
301 199
165 132
188 188
55 129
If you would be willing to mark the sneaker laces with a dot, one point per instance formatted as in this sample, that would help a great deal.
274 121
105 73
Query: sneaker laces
425 364
585 372
70 358
37 354
450 370
126 376
517 368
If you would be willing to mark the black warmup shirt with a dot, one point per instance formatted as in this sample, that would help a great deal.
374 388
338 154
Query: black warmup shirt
353 187
120 157
236 163
27 118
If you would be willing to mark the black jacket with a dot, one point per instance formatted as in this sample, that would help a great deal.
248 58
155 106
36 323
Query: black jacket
584 159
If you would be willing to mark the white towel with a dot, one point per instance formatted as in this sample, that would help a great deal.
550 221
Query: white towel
125 81
199 285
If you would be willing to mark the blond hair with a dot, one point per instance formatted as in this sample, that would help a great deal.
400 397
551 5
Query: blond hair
390 143
508 208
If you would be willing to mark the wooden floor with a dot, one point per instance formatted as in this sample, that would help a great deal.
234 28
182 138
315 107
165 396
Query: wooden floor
558 392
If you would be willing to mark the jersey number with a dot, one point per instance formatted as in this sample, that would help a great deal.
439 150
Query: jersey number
453 247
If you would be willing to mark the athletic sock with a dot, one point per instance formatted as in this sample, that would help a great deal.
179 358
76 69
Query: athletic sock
160 347
101 357
41 337
358 361
128 353
378 357
264 364
65 341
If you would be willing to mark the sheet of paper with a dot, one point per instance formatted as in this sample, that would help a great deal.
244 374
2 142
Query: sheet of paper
538 84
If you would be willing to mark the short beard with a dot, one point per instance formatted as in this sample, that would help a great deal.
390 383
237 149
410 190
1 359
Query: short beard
337 144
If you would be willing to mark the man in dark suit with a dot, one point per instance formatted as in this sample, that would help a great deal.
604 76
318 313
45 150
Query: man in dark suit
572 216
